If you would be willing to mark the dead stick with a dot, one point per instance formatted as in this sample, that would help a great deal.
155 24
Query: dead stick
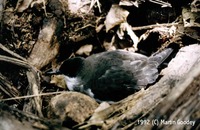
11 52
15 61
153 26
32 96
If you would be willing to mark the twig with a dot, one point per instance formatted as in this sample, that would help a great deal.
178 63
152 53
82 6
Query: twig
31 96
7 87
189 36
160 2
33 79
88 25
11 52
153 26
93 2
34 87
15 61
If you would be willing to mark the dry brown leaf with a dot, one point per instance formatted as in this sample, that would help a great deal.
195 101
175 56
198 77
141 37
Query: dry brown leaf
78 6
129 3
59 81
115 16
125 27
190 19
165 32
25 4
84 50
195 6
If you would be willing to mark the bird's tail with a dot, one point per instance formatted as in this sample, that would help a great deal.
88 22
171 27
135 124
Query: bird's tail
160 57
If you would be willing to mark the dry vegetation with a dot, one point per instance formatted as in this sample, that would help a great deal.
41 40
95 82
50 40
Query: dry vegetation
38 35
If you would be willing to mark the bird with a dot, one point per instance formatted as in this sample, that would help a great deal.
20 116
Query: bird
111 75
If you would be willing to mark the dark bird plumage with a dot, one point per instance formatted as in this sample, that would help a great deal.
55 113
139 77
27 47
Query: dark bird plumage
112 75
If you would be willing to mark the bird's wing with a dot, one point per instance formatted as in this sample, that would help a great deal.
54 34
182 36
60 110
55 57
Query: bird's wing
120 64
115 84
121 73
117 54
130 75
161 56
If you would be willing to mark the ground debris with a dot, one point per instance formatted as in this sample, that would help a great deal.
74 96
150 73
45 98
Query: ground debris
36 36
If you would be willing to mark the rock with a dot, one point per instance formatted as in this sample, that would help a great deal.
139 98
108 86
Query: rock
72 108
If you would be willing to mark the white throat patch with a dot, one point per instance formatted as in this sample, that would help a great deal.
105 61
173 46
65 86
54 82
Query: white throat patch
74 84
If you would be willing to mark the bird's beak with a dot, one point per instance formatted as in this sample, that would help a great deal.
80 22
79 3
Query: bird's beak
53 72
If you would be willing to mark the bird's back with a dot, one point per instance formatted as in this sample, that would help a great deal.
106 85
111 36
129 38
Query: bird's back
119 73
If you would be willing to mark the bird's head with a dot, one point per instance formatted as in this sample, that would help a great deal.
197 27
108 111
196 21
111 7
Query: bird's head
72 67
